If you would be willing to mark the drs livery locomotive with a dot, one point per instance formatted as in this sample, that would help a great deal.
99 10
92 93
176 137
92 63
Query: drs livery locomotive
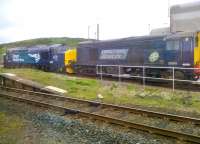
180 50
176 50
48 58
177 47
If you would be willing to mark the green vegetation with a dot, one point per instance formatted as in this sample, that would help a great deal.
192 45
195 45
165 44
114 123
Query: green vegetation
8 124
112 92
72 42
10 128
2 51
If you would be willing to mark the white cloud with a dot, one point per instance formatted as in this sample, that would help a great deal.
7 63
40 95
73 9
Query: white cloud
54 18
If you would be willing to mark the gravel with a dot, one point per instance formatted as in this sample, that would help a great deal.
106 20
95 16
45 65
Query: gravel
45 127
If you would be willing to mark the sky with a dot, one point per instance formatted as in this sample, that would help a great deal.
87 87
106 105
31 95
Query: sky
27 19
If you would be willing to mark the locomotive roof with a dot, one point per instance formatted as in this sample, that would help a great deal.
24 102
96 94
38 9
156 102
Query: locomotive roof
16 48
169 36
123 39
180 35
36 47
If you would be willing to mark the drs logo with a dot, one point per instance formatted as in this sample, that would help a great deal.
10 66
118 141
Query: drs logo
154 56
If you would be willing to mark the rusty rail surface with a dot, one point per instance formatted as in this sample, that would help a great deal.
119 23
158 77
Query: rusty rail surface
143 127
116 107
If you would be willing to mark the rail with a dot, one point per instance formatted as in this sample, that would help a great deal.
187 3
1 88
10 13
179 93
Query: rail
143 75
135 110
82 113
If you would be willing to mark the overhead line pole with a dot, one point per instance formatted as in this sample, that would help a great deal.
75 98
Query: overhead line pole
97 31
88 32
168 8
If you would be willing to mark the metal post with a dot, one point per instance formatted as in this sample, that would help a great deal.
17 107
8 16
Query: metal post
143 77
101 72
97 31
97 71
173 78
88 32
119 73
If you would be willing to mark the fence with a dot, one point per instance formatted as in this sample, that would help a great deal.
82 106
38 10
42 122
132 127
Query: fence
120 75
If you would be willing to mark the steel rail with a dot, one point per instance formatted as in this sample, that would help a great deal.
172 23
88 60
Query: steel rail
153 130
117 107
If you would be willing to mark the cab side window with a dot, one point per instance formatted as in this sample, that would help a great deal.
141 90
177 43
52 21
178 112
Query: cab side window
173 45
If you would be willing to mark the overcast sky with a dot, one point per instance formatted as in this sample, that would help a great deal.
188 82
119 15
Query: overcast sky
25 19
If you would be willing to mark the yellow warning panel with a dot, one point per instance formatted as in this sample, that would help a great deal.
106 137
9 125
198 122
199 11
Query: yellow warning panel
70 58
197 50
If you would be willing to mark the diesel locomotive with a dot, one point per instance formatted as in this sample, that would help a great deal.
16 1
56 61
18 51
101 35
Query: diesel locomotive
176 47
44 57
175 50
180 50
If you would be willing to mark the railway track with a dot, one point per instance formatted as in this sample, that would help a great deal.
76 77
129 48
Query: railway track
108 113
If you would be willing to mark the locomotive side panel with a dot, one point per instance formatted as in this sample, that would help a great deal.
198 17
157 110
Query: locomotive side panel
56 64
21 58
40 56
87 56
129 51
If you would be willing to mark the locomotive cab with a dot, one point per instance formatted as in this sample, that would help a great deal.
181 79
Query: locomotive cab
183 50
179 50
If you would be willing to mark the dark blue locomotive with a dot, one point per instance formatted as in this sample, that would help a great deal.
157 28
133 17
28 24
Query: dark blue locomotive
180 51
48 58
177 50
132 51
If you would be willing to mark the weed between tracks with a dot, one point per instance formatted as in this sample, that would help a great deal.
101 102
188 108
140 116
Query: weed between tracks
113 92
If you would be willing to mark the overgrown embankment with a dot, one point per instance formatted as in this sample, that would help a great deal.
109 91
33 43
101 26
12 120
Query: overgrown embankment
113 92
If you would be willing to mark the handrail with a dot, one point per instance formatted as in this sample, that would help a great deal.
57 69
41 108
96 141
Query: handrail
143 74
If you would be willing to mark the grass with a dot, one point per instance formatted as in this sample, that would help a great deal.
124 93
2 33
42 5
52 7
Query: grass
10 128
8 123
113 92
2 51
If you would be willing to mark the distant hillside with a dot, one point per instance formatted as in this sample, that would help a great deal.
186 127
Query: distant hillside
48 41
72 42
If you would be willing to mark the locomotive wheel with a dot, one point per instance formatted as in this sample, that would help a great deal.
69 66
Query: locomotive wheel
111 70
136 72
179 75
166 75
